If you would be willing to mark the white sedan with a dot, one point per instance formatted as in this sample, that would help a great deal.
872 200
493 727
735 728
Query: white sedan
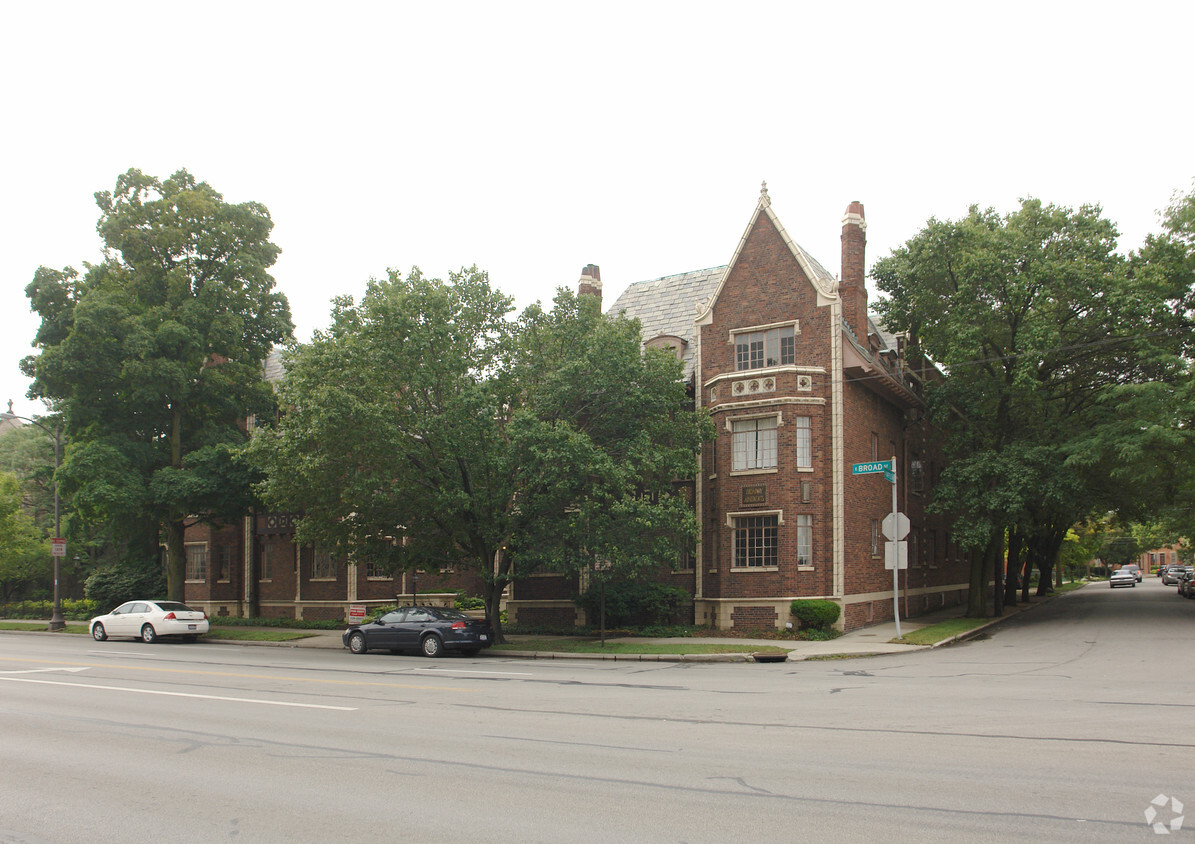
1122 577
149 621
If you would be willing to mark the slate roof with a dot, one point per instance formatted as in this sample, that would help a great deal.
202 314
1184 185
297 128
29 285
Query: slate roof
273 370
668 305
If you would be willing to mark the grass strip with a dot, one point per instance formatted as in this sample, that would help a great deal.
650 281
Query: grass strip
573 645
41 626
941 631
239 634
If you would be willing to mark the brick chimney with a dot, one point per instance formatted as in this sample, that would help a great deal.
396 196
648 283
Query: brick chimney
591 283
851 286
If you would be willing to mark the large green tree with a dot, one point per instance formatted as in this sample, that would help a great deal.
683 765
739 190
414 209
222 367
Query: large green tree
24 556
154 358
427 428
1041 329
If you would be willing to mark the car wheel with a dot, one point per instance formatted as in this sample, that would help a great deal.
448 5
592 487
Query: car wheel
357 643
148 634
98 632
432 646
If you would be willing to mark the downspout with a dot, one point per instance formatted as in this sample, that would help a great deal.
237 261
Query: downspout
698 487
837 452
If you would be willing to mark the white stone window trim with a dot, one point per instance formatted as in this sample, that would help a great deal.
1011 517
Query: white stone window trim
747 417
770 470
771 401
738 473
740 514
207 561
795 323
737 375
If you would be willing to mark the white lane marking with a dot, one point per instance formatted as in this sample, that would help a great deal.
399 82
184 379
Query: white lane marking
179 694
467 671
40 670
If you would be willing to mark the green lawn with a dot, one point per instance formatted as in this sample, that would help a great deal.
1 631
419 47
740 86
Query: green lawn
941 631
241 634
575 645
71 626
237 634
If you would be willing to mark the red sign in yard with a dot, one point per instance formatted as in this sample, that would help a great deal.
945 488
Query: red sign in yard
356 612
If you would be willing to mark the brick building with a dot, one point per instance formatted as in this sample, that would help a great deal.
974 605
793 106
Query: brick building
801 384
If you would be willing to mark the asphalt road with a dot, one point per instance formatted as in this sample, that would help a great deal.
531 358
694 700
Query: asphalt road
1062 725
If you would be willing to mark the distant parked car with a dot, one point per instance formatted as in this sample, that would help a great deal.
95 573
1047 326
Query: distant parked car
1174 574
150 621
1134 568
1122 577
1186 586
429 630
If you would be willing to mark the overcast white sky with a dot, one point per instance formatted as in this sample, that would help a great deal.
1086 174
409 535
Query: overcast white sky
534 138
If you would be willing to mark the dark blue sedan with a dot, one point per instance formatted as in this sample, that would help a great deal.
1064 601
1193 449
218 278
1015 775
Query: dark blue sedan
429 630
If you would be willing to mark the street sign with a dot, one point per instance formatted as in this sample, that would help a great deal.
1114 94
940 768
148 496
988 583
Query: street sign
897 550
874 467
901 523
890 476
57 547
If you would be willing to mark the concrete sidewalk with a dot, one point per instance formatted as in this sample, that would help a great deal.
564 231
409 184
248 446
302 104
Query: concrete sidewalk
867 641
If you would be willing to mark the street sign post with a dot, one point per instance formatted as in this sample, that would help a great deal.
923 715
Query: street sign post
893 525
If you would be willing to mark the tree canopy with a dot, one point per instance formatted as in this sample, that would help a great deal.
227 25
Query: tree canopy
1051 342
426 428
23 553
154 357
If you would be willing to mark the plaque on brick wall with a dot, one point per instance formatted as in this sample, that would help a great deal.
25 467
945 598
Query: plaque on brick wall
277 523
755 495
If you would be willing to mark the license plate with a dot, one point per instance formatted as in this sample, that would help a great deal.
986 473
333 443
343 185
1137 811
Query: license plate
192 626
483 637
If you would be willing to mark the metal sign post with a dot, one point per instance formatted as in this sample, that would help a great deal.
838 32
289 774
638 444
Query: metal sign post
896 566
899 526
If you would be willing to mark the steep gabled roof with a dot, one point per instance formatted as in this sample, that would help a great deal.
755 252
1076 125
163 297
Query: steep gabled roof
822 279
669 306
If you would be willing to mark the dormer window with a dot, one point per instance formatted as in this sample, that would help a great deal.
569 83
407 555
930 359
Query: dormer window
765 347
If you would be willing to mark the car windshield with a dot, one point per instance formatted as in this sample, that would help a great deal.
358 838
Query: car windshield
441 612
174 606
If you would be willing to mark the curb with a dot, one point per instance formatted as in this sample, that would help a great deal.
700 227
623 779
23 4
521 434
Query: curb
1020 608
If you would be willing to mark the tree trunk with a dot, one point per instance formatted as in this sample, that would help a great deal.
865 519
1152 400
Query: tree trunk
982 566
176 554
176 559
1049 561
1016 550
1032 556
493 607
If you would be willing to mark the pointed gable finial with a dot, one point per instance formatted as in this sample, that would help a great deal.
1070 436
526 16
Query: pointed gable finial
764 199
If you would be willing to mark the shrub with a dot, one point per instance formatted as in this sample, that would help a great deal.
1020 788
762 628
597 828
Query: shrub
111 586
464 602
635 604
71 610
815 613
